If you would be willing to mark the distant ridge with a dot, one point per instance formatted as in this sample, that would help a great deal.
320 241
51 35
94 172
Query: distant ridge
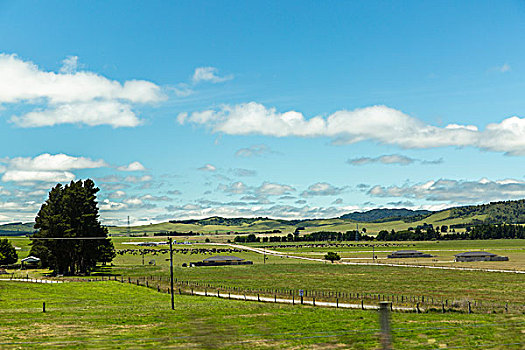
376 215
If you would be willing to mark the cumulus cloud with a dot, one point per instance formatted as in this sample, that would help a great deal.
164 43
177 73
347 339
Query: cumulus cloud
209 74
275 211
376 123
391 159
44 176
322 189
137 179
69 65
71 96
59 161
273 189
47 168
133 166
117 194
455 191
234 188
208 167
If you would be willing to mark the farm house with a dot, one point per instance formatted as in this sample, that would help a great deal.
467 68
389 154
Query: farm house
479 256
408 254
222 260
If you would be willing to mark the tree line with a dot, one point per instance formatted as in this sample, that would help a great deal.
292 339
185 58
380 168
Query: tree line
484 231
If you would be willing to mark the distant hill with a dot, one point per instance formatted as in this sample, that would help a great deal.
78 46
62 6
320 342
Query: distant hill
380 215
17 229
458 218
510 212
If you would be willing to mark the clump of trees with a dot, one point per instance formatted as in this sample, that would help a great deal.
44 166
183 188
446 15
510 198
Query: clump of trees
485 231
8 253
332 256
70 239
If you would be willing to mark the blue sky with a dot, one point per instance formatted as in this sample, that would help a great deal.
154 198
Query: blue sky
288 109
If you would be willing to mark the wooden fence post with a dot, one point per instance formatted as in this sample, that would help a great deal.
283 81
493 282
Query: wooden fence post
384 320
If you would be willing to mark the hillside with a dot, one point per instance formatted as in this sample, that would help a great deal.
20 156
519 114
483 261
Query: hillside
373 220
17 229
378 215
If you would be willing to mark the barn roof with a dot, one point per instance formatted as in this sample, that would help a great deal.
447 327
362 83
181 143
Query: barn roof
478 253
223 258
31 259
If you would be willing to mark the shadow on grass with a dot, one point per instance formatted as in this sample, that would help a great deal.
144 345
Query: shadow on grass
104 271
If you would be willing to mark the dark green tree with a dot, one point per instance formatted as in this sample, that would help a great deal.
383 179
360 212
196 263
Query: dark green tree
332 257
7 252
70 239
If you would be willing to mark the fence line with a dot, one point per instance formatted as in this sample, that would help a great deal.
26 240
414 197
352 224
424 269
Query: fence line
401 302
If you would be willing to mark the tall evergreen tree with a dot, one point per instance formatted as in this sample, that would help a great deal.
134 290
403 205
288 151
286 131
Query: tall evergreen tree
7 252
71 212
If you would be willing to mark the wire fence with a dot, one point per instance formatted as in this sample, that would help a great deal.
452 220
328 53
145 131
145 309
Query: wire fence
404 303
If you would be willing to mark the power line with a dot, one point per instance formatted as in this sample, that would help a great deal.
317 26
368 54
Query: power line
67 238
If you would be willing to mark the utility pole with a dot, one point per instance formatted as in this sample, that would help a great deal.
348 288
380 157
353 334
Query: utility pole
373 253
356 232
129 228
171 273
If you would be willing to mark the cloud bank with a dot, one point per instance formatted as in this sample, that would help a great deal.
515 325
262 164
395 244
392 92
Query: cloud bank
380 124
71 96
455 191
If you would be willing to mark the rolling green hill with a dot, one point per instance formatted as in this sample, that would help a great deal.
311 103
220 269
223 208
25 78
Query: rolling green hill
373 220
17 229
379 215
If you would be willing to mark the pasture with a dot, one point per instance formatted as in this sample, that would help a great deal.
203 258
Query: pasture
294 274
113 315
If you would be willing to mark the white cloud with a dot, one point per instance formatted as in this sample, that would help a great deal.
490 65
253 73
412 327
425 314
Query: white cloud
107 205
390 159
273 189
276 211
377 123
136 179
252 151
207 167
69 65
93 113
149 197
59 161
209 74
134 166
71 96
322 189
44 176
234 188
47 168
117 194
456 191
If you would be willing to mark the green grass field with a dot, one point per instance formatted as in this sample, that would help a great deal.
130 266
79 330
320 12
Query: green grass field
299 274
113 315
